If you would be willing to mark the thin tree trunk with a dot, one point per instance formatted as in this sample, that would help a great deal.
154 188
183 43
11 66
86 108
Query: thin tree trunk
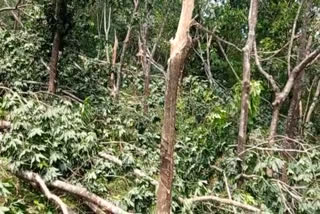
179 49
314 103
56 46
245 96
145 66
124 48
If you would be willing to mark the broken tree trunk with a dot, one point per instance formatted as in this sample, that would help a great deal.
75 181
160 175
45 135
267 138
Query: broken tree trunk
245 96
180 46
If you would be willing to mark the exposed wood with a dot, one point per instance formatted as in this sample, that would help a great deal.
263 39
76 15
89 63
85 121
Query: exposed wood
180 46
88 196
34 177
95 208
5 124
245 96
223 201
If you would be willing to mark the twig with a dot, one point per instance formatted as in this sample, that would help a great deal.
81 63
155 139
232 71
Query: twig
199 26
11 8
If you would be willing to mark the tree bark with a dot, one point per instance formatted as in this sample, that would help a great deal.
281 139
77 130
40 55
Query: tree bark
56 45
178 52
245 96
294 118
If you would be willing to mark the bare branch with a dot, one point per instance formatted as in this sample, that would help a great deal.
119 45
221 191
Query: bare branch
292 36
222 200
269 77
293 74
200 27
11 8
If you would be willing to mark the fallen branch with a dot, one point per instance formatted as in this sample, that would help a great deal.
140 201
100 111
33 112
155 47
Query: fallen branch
221 200
35 178
69 188
94 208
88 196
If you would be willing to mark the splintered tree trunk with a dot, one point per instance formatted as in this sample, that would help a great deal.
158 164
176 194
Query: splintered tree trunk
56 45
179 49
245 96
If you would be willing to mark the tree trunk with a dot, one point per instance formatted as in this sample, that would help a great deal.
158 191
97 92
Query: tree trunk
293 119
124 48
293 122
245 96
56 45
145 66
179 48
314 102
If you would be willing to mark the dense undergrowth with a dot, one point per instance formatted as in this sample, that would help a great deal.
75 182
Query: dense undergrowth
61 136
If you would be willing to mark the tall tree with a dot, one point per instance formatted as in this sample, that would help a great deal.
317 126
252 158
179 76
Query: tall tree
180 46
60 12
243 121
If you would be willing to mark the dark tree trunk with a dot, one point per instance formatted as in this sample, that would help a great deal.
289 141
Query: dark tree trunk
293 123
60 11
179 49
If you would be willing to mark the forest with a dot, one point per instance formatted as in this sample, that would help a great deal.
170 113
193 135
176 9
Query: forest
159 106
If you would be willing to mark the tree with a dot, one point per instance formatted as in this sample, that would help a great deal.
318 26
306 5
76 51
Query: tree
245 96
60 12
180 46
